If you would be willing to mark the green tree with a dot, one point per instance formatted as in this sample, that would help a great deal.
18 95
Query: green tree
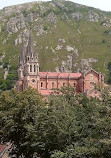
17 110
64 126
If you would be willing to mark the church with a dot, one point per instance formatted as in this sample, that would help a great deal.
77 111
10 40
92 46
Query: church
46 82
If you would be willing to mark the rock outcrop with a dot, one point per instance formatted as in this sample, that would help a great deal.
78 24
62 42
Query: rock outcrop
64 17
85 64
92 16
76 16
15 24
51 18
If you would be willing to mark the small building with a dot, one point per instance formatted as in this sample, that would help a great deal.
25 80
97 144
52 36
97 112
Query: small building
45 82
3 150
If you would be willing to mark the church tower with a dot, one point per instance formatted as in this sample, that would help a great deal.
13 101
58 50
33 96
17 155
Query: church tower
21 61
28 71
21 67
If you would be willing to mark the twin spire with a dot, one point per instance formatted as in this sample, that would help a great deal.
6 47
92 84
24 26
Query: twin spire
30 47
28 52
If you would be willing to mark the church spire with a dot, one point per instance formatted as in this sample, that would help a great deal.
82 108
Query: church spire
22 54
30 48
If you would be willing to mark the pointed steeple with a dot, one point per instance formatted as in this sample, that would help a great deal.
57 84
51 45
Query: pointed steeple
30 48
22 54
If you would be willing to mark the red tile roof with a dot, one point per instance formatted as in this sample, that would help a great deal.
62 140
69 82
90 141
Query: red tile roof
61 75
42 74
75 75
2 147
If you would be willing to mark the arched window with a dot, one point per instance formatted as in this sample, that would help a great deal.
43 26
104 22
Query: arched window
74 84
92 84
63 84
37 69
41 84
52 84
34 68
91 77
30 68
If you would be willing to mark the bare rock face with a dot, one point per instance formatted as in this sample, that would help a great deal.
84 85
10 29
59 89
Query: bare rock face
38 20
62 40
64 17
17 8
6 70
30 17
11 25
0 29
22 36
87 63
1 60
66 66
72 49
15 24
107 22
103 17
76 16
4 41
9 10
58 3
59 47
68 48
51 18
92 16
39 27
18 40
2 57
40 30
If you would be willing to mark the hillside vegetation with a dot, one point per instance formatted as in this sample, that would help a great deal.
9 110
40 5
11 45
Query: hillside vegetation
67 37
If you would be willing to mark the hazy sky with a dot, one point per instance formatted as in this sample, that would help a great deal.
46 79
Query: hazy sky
101 4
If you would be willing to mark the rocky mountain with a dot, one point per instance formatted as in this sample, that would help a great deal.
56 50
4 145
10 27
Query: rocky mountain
68 37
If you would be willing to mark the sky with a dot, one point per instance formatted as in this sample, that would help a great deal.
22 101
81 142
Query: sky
101 4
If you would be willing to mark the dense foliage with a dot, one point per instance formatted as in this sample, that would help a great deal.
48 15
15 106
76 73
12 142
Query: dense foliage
65 126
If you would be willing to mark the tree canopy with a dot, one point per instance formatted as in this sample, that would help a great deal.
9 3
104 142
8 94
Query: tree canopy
62 126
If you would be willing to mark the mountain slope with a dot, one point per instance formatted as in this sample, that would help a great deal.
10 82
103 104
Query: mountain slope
67 37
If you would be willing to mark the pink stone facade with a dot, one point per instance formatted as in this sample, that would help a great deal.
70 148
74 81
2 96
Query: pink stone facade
45 82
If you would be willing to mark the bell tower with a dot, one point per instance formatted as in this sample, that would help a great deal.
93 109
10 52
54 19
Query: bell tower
21 67
29 66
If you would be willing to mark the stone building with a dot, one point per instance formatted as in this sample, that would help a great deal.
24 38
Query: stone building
45 82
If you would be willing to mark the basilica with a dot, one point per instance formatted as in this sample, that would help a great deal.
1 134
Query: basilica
30 76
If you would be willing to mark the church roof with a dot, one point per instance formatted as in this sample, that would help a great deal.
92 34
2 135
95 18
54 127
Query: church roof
59 74
91 70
